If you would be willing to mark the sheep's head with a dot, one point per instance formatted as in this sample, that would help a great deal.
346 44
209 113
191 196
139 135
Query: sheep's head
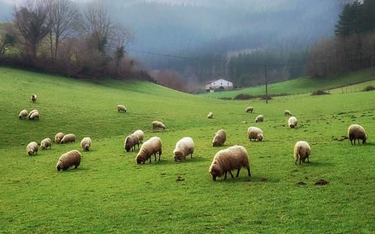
260 137
291 126
177 155
216 171
364 140
58 166
87 147
30 152
215 143
139 159
128 144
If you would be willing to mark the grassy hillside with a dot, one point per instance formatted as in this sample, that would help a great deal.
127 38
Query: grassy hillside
109 192
301 85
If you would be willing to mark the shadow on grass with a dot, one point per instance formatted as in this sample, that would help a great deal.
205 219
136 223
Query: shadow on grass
170 160
252 179
315 164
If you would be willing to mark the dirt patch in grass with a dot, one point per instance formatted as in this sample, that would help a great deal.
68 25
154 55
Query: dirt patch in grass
301 183
321 182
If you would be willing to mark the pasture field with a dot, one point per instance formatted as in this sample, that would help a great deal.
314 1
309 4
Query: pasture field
109 192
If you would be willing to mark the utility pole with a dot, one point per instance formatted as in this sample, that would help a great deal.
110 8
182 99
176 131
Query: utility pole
265 76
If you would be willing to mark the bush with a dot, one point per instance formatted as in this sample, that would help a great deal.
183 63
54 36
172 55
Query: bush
369 88
319 92
225 98
243 97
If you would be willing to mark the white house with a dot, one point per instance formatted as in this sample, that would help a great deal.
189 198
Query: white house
219 84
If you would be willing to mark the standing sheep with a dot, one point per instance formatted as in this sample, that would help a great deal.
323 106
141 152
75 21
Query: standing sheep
287 112
259 118
302 150
210 115
157 125
32 148
86 143
45 143
140 135
184 147
121 108
219 138
23 114
130 142
250 109
72 158
232 158
357 132
68 138
58 137
150 147
254 133
292 122
33 97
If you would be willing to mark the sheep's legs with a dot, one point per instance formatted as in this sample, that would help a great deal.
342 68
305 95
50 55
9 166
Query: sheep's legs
155 156
230 172
159 155
238 172
248 172
225 175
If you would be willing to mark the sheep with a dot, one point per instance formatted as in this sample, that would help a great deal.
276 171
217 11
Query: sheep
58 137
86 143
23 114
255 133
292 122
68 138
121 108
232 158
71 158
152 146
140 135
302 151
44 144
287 112
250 109
32 148
259 118
184 147
130 142
33 97
210 115
34 115
157 124
355 132
219 138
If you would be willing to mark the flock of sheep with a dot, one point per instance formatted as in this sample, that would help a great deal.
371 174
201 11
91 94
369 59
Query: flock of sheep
224 161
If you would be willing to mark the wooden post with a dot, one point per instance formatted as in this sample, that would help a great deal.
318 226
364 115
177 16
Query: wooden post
265 76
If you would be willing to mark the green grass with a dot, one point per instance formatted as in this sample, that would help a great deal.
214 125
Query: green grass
109 192
301 85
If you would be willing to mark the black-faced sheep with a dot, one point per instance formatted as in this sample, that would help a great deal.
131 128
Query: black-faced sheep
72 158
210 115
157 125
44 144
259 118
23 114
184 147
292 122
68 138
86 143
232 158
254 133
140 135
149 148
121 108
287 112
219 138
33 97
357 132
58 137
130 142
32 148
302 151
250 109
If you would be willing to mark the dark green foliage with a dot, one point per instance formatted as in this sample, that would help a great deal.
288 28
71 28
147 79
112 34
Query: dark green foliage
369 88
319 92
243 97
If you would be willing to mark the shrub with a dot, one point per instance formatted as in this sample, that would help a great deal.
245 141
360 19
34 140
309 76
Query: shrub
319 92
225 98
369 88
243 96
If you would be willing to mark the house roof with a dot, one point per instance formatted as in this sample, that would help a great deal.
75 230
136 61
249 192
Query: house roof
209 82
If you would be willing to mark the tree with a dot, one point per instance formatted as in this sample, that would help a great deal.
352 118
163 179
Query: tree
349 20
8 40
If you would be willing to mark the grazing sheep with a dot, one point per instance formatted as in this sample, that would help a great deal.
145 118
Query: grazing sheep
184 147
121 108
355 132
259 118
232 158
45 143
32 148
157 125
302 150
130 142
150 147
287 112
34 115
219 138
72 158
58 137
250 109
33 97
68 138
140 135
210 115
86 143
292 122
255 133
23 114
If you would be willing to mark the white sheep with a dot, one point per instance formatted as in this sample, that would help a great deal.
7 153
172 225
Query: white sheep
254 133
71 158
232 158
210 115
58 137
44 144
23 114
157 125
302 151
86 143
140 135
250 109
219 138
121 108
34 115
287 112
68 138
130 142
32 148
184 147
259 118
33 97
150 147
292 122
356 132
